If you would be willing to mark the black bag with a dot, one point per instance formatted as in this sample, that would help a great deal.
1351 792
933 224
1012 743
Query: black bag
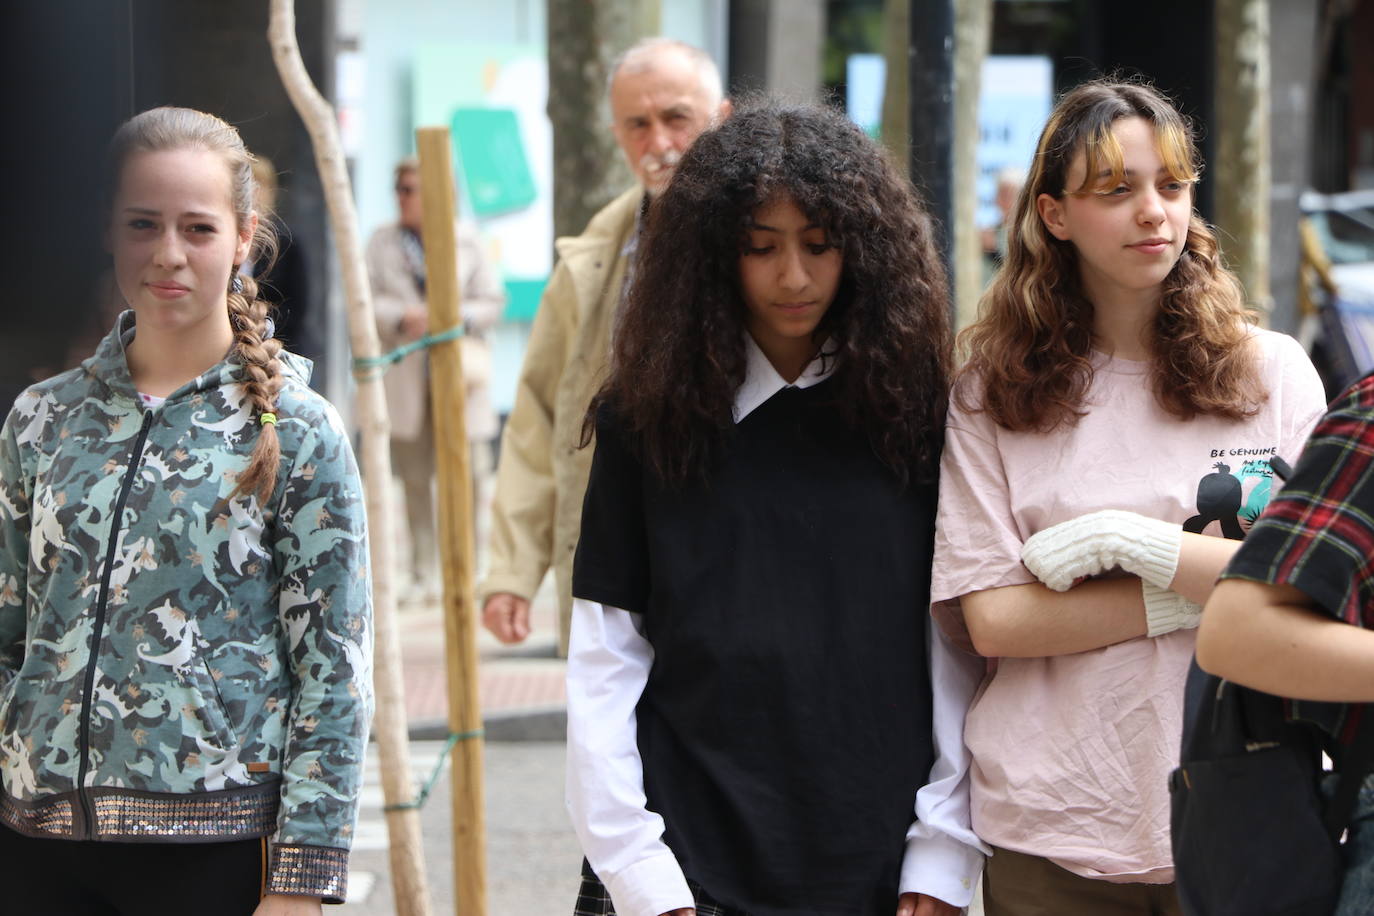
1252 832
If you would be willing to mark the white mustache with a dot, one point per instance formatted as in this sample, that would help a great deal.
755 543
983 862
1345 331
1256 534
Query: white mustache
652 163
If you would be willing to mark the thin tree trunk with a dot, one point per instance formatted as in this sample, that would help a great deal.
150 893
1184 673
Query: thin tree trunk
972 34
1243 144
389 724
896 126
584 37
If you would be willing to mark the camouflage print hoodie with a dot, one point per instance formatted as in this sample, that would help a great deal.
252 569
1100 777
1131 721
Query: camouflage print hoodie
174 664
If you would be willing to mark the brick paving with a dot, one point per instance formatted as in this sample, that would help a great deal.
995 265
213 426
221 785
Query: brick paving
510 679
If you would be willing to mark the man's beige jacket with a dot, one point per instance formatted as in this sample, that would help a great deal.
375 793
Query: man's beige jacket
537 509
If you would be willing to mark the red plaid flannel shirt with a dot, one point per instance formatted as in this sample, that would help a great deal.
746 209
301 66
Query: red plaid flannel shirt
1317 535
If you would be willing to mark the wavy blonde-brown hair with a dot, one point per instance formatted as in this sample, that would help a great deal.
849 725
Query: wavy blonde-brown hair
167 128
1029 352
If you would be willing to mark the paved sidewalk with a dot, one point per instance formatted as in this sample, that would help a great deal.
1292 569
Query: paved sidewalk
521 687
532 855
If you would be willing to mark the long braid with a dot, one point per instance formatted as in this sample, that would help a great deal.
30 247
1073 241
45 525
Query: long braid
258 354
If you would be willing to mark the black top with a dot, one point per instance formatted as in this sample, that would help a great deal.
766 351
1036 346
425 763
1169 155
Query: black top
786 724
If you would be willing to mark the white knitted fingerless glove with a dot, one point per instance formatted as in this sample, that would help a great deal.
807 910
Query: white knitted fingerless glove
1166 611
1094 543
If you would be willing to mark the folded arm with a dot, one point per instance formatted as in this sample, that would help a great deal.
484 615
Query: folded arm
1171 573
1274 638
1031 621
1201 559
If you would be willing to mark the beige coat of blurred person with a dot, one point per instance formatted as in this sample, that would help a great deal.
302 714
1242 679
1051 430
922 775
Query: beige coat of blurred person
663 93
396 268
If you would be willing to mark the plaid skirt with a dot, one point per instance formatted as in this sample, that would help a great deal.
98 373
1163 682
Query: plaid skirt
593 899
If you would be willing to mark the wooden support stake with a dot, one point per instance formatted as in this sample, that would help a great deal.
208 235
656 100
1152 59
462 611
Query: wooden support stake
389 723
448 402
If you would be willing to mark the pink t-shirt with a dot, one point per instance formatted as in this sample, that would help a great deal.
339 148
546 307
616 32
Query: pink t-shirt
1071 753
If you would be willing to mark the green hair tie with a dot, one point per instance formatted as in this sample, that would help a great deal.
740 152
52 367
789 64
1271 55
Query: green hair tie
267 417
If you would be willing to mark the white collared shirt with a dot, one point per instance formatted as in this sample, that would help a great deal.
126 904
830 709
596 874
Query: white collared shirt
608 667
762 381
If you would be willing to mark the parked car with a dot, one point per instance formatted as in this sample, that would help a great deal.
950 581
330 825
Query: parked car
1342 226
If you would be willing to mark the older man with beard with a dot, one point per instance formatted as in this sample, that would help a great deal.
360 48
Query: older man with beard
663 93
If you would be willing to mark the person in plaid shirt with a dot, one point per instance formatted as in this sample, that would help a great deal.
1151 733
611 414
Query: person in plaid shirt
1294 615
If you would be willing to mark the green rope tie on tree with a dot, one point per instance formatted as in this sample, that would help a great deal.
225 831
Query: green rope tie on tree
419 802
366 367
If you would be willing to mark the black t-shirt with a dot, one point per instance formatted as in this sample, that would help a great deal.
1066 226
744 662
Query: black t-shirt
786 724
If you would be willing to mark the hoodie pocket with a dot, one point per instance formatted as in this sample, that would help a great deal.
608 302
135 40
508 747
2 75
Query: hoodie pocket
26 708
213 713
6 695
23 714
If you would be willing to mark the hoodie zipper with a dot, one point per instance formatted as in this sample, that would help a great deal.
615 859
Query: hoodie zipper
88 828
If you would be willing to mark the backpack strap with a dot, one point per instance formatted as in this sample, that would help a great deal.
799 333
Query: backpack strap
1356 762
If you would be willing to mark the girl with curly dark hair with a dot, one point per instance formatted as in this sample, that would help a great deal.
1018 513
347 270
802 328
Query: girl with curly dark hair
1117 407
750 713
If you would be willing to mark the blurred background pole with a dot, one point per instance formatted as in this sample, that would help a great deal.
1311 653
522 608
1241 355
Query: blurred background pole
972 35
1243 145
454 475
930 59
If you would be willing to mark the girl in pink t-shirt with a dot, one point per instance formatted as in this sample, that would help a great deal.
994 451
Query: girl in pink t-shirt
1108 440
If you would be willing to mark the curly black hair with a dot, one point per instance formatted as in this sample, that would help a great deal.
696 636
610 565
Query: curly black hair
679 351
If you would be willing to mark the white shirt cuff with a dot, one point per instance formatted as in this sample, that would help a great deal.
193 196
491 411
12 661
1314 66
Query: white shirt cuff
649 887
942 867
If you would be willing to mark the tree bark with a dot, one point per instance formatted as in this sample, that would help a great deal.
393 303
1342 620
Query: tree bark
972 35
896 126
1243 184
389 723
584 37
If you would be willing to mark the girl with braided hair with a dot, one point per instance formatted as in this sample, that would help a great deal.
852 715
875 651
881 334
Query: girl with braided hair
760 721
185 617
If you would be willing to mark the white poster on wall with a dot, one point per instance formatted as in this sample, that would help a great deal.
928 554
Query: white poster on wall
1013 103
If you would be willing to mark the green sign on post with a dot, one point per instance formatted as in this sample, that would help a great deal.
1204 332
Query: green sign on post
491 160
